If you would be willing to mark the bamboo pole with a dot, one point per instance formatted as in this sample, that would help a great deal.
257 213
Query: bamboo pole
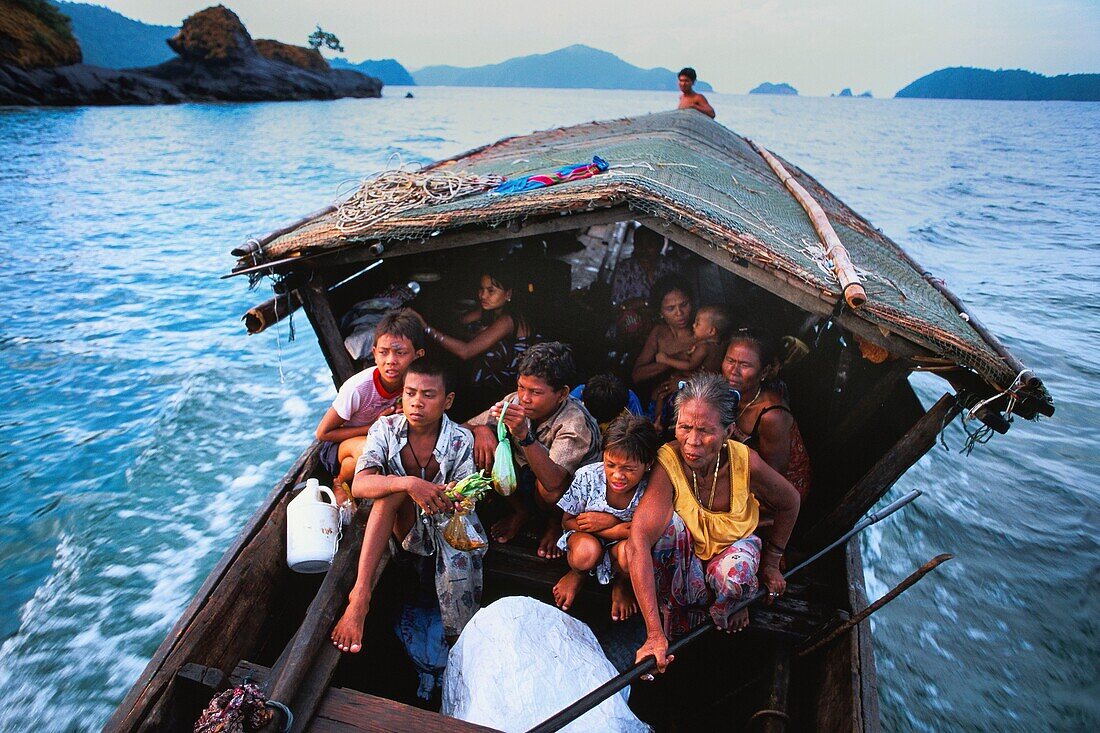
894 593
845 271
271 311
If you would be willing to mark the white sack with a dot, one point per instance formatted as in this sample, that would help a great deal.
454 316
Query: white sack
519 661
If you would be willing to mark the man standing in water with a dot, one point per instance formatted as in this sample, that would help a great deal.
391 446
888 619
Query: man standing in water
689 98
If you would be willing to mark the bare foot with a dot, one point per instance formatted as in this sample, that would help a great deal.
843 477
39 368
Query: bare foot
507 528
623 603
347 635
566 589
739 621
548 543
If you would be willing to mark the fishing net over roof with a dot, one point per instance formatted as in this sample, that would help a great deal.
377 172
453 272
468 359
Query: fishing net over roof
685 169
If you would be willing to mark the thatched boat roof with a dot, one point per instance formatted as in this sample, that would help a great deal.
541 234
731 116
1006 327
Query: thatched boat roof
683 170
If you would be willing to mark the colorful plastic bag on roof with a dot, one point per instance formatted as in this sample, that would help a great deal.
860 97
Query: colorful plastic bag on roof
572 172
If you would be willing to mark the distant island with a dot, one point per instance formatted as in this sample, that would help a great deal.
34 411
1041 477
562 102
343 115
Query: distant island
769 88
963 82
215 60
847 92
112 40
574 67
389 71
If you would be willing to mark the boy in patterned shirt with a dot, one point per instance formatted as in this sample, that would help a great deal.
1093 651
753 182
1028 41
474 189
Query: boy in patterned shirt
408 460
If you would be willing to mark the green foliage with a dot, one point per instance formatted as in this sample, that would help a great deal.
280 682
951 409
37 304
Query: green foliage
321 37
50 16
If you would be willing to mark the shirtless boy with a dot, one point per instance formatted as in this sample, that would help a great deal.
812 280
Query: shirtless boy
689 98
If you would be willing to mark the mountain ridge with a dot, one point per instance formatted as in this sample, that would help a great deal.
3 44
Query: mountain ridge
573 67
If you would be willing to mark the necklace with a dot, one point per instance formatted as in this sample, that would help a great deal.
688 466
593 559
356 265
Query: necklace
713 484
751 402
422 466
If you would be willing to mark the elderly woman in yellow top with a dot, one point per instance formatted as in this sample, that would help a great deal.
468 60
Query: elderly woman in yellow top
691 542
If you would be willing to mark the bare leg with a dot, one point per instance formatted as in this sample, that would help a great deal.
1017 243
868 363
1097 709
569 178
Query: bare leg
584 552
548 542
504 530
348 454
623 603
347 635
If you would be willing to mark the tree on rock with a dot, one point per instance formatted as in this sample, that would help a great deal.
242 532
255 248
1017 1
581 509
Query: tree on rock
321 37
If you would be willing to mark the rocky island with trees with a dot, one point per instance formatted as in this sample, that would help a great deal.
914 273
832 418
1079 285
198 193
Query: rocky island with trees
216 60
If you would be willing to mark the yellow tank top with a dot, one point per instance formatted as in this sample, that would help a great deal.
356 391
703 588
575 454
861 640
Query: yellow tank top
712 532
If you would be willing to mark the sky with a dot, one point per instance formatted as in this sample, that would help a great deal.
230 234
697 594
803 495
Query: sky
818 46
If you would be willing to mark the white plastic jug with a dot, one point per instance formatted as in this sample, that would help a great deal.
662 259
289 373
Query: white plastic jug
312 529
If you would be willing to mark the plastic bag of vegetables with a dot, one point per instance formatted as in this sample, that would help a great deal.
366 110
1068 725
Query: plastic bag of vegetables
504 471
459 531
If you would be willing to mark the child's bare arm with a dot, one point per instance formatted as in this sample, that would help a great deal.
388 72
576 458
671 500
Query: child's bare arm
596 522
569 521
620 531
331 428
695 359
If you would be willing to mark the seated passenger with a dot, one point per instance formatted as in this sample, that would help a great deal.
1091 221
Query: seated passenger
692 541
606 398
764 420
597 510
708 329
499 335
552 435
406 463
672 336
373 392
634 277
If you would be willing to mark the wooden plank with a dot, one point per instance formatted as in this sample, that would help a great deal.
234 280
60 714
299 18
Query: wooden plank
342 709
773 718
470 237
868 405
349 710
172 653
865 705
319 311
307 665
869 489
786 287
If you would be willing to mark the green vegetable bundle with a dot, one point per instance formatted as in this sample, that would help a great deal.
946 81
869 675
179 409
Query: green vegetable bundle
459 531
504 471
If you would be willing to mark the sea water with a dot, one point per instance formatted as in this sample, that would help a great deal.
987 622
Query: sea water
140 426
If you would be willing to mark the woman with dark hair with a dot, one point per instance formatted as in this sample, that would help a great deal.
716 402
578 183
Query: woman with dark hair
764 420
673 336
499 335
692 538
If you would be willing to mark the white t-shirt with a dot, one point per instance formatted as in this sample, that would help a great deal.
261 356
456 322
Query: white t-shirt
362 399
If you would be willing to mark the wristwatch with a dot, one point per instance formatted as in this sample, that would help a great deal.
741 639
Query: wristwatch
527 439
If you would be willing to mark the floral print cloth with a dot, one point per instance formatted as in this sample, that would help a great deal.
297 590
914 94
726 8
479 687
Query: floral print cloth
686 585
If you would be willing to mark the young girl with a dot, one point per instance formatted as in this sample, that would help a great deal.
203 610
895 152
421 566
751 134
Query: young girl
499 336
598 508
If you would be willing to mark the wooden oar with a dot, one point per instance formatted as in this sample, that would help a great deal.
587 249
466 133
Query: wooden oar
649 664
894 593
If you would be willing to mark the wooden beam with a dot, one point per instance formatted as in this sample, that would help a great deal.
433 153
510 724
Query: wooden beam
466 238
869 489
319 311
786 287
869 404
305 668
866 718
773 718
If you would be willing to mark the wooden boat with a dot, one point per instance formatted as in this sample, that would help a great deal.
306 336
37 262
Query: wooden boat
729 208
